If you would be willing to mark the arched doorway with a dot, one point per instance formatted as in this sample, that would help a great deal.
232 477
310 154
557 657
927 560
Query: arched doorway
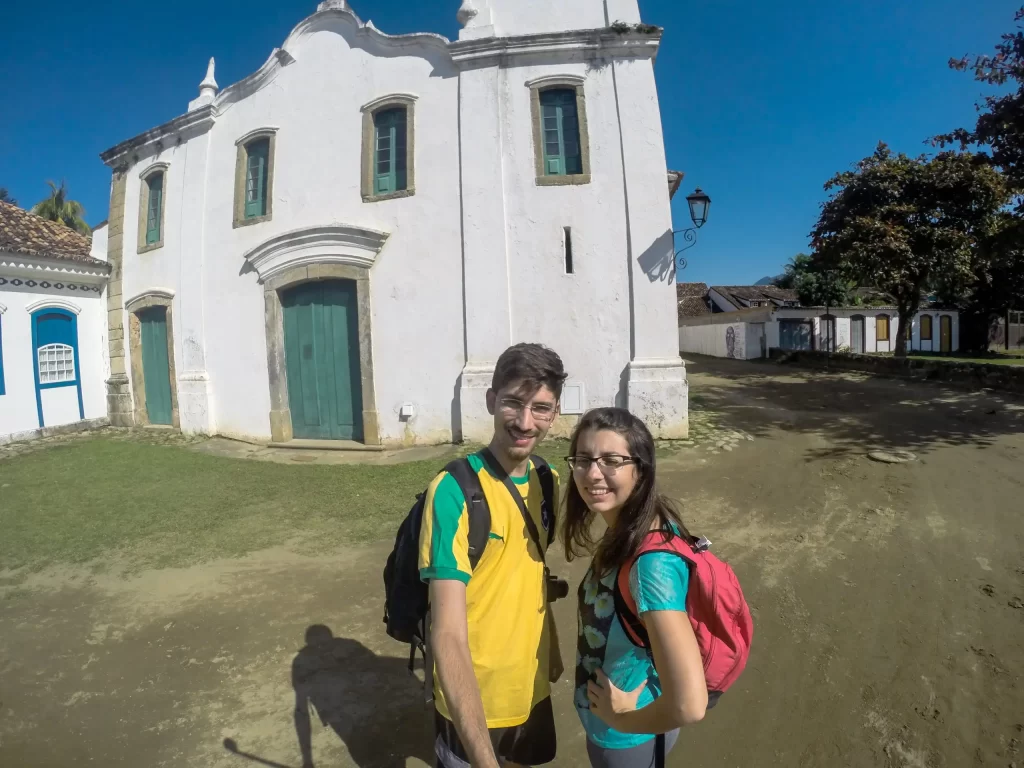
321 345
945 334
151 354
857 334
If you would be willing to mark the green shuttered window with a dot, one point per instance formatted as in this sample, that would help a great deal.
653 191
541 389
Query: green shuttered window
154 208
257 157
560 129
390 159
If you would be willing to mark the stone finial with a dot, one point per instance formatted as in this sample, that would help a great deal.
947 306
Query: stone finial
207 89
333 5
467 12
209 83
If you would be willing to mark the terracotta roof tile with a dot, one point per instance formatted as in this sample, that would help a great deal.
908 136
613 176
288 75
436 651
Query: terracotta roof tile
28 234
738 294
692 300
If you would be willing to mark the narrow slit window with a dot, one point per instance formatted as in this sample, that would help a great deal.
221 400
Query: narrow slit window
568 251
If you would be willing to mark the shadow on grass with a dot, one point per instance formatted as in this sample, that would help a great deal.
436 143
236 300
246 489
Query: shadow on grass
854 412
371 702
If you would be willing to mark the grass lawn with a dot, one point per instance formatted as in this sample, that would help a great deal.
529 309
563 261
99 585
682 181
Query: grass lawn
147 505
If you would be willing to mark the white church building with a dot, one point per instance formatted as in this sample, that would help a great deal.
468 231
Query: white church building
339 246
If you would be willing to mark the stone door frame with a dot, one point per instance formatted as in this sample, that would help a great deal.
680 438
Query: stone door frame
277 368
149 300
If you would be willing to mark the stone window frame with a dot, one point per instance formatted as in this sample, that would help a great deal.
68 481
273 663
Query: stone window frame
143 246
241 166
370 110
280 407
157 297
538 86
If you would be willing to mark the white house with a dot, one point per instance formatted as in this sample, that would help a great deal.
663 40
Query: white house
53 325
744 322
340 245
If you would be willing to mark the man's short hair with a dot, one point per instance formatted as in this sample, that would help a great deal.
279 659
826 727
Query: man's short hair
531 365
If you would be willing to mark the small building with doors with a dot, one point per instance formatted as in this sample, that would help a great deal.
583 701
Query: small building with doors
744 322
53 324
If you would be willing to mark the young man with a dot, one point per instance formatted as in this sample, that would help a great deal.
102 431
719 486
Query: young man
491 639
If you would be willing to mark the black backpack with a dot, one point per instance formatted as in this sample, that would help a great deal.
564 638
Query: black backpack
406 596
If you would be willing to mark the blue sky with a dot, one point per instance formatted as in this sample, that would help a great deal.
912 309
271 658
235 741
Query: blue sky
761 102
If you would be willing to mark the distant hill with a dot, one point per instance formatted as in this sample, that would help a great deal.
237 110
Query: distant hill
765 281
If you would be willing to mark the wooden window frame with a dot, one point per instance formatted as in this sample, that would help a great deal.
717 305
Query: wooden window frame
144 191
930 325
888 329
241 176
559 82
368 185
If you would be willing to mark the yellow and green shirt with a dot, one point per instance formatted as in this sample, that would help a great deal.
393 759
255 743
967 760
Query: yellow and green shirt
506 608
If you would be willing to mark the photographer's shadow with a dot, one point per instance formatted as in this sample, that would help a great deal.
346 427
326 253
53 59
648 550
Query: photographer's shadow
374 705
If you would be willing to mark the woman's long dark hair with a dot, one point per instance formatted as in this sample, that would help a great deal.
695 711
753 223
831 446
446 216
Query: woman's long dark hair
644 509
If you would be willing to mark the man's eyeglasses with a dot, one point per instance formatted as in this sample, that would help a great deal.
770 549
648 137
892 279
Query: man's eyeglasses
609 464
541 411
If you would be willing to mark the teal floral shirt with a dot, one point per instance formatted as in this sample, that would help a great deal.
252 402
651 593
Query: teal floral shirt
658 582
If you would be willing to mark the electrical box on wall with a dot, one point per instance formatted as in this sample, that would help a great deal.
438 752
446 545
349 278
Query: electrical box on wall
407 411
573 398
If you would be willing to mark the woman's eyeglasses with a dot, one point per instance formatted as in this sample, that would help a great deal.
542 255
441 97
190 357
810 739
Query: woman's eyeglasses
609 464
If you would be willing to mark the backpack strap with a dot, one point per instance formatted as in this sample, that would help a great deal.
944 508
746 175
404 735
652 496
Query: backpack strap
517 497
476 507
625 605
549 504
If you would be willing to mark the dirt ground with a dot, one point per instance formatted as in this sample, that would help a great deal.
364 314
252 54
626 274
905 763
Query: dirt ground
887 599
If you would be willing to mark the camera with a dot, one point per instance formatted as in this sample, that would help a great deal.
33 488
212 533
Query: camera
556 588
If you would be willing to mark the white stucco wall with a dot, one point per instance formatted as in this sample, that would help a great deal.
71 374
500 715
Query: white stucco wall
18 408
473 261
714 340
520 17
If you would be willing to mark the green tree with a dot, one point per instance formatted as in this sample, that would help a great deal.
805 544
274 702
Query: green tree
5 197
999 130
901 223
815 286
57 207
998 266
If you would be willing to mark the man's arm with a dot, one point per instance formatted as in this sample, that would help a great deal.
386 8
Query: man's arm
449 637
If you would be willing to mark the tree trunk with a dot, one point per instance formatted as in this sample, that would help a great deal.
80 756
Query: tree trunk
906 318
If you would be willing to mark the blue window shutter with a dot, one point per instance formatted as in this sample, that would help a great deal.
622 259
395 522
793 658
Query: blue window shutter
257 156
560 132
390 154
155 208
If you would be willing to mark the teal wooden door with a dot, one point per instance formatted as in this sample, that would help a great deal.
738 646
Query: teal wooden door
155 367
321 341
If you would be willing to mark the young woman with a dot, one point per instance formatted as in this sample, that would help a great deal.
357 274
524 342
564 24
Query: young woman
620 698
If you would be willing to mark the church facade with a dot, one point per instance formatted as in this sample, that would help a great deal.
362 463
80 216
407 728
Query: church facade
339 246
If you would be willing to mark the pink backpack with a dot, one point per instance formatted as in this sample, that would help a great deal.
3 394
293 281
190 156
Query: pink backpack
715 604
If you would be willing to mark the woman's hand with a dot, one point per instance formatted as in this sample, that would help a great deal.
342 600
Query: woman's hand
608 702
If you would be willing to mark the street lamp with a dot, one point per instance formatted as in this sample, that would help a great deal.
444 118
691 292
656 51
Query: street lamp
699 204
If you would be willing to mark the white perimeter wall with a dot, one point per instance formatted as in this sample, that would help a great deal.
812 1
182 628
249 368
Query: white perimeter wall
18 411
713 340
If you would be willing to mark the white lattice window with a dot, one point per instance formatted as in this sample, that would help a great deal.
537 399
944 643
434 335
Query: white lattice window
56 363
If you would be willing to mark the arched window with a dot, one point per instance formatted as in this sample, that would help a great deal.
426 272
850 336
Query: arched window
55 352
926 327
254 177
152 194
882 328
